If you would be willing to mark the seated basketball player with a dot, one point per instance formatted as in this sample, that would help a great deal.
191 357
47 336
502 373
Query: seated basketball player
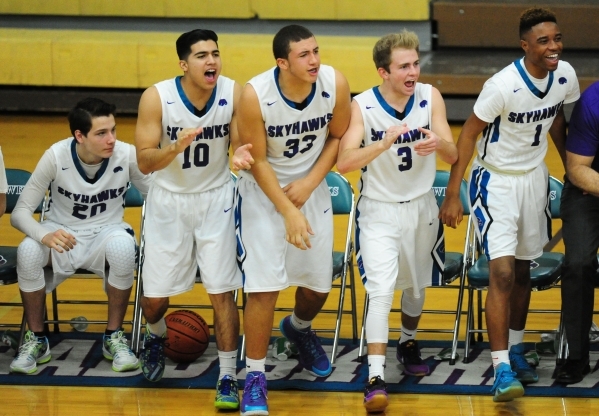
293 116
88 175
398 234
516 109
183 131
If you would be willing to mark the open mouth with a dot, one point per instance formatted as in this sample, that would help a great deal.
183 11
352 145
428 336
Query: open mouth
553 57
410 84
210 75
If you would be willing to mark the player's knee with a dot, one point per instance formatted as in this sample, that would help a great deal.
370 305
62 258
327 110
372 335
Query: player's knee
120 255
412 305
31 259
377 320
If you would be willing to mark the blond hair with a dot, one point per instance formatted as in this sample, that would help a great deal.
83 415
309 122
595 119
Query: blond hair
381 54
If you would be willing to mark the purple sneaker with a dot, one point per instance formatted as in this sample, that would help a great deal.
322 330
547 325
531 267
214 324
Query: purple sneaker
254 400
408 354
311 355
376 399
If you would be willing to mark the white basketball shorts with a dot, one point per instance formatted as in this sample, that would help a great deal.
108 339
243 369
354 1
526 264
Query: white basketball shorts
512 211
399 245
184 231
268 262
89 253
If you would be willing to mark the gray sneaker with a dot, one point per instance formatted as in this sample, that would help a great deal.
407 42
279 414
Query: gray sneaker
35 350
116 349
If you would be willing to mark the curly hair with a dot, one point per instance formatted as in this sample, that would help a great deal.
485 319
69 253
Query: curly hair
532 17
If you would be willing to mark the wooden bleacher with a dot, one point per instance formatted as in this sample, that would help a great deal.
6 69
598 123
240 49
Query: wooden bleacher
56 51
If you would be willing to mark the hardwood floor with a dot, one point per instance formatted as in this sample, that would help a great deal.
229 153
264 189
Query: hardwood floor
23 141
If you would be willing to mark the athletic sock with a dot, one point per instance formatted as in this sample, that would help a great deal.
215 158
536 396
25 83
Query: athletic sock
159 328
376 366
255 365
228 364
515 337
300 324
499 357
407 334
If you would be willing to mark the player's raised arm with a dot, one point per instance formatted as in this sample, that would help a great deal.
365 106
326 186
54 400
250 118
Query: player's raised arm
148 132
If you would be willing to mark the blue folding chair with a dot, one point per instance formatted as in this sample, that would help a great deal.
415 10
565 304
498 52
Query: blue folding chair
16 178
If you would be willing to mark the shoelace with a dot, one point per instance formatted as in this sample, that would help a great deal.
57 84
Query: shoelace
29 346
256 389
226 386
411 355
311 342
154 347
119 345
502 377
520 361
376 383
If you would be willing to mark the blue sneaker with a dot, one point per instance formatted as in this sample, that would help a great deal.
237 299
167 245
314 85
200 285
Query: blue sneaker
255 395
152 356
524 372
227 395
506 387
311 355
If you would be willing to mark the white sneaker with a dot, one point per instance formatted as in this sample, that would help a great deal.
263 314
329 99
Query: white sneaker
33 351
115 348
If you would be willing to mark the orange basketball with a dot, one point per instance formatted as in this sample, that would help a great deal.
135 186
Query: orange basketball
187 336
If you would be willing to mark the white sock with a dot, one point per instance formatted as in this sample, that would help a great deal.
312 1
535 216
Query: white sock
299 324
515 337
499 357
255 365
407 334
376 366
159 328
228 364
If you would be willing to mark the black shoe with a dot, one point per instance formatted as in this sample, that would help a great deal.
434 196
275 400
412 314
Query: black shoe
573 371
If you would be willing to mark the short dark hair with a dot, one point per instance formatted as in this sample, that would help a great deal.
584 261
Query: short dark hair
80 117
281 44
532 17
187 39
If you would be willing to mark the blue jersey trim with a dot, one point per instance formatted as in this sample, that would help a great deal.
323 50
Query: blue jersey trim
80 169
290 103
529 83
188 103
390 110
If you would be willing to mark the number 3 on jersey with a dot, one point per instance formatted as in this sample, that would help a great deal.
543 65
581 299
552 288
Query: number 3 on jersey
293 145
405 155
200 155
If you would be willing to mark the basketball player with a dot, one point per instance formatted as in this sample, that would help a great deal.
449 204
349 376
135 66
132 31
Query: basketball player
509 182
3 186
183 131
88 175
580 209
395 133
293 116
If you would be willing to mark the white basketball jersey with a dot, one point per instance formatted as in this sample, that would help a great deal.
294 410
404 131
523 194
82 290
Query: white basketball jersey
81 203
204 165
295 138
520 115
398 174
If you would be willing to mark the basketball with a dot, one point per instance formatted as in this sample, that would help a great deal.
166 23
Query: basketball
187 336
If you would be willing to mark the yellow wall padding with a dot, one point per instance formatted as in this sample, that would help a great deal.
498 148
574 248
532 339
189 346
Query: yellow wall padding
60 7
78 58
342 9
232 9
